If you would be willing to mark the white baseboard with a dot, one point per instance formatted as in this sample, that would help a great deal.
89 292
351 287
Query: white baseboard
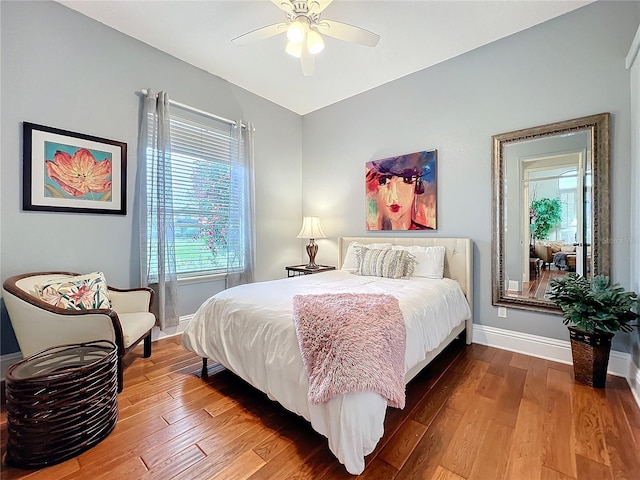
620 363
534 345
156 334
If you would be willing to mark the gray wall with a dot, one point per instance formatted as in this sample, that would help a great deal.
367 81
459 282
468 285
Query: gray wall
64 70
565 68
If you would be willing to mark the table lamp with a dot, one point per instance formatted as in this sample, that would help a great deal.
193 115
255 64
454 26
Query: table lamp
311 230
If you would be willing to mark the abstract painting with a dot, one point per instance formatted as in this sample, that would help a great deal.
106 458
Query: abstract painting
401 192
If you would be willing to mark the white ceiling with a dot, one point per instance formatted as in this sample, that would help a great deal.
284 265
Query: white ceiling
414 35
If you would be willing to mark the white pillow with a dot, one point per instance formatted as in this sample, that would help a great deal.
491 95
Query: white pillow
350 260
429 261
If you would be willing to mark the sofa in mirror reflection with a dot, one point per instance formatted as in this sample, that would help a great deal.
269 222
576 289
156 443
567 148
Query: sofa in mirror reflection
558 254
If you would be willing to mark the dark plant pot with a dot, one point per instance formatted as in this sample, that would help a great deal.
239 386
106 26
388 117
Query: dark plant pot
590 353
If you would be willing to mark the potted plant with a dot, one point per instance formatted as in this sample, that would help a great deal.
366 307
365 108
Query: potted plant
594 309
546 215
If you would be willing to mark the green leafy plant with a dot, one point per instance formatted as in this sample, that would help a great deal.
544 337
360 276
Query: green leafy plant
594 305
547 214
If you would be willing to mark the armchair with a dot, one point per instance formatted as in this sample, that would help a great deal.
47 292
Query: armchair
39 325
545 250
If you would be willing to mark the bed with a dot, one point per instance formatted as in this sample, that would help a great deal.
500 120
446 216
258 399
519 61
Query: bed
250 330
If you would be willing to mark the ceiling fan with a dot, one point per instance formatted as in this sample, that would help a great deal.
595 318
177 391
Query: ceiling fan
304 28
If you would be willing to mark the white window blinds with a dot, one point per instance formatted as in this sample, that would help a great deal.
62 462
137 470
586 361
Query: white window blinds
207 234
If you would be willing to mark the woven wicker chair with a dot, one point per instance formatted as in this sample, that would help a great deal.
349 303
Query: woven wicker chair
39 325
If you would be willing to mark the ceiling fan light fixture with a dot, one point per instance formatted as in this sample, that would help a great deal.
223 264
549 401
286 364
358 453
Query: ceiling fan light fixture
305 31
315 43
297 31
294 49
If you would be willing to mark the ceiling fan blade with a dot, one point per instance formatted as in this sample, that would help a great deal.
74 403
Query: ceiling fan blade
307 62
317 6
348 33
284 5
260 34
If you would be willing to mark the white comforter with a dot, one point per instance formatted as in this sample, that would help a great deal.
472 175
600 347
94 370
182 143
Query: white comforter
249 329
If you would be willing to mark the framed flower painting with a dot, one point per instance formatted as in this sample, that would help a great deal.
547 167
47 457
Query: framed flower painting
71 172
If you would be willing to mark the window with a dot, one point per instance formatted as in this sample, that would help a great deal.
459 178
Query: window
206 227
561 183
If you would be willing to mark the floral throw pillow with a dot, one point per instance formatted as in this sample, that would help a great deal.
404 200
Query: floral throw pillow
84 292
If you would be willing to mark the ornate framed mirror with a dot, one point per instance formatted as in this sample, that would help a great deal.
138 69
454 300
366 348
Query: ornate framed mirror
550 208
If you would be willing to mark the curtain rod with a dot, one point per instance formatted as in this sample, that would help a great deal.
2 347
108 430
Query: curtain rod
200 112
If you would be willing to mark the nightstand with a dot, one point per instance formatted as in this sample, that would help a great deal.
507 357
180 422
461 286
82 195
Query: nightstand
296 270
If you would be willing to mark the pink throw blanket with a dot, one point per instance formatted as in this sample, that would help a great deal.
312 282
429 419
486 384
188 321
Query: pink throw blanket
351 343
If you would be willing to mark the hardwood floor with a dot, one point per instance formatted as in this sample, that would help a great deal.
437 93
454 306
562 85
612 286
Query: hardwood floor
537 287
477 413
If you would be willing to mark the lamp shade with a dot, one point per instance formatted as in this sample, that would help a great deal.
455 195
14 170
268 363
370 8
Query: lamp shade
311 228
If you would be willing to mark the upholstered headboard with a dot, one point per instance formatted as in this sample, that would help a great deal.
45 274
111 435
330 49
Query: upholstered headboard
458 263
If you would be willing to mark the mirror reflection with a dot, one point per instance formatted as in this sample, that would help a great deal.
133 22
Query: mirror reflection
551 208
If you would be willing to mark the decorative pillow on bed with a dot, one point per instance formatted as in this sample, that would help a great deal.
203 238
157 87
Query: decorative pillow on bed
82 292
429 261
351 262
384 263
